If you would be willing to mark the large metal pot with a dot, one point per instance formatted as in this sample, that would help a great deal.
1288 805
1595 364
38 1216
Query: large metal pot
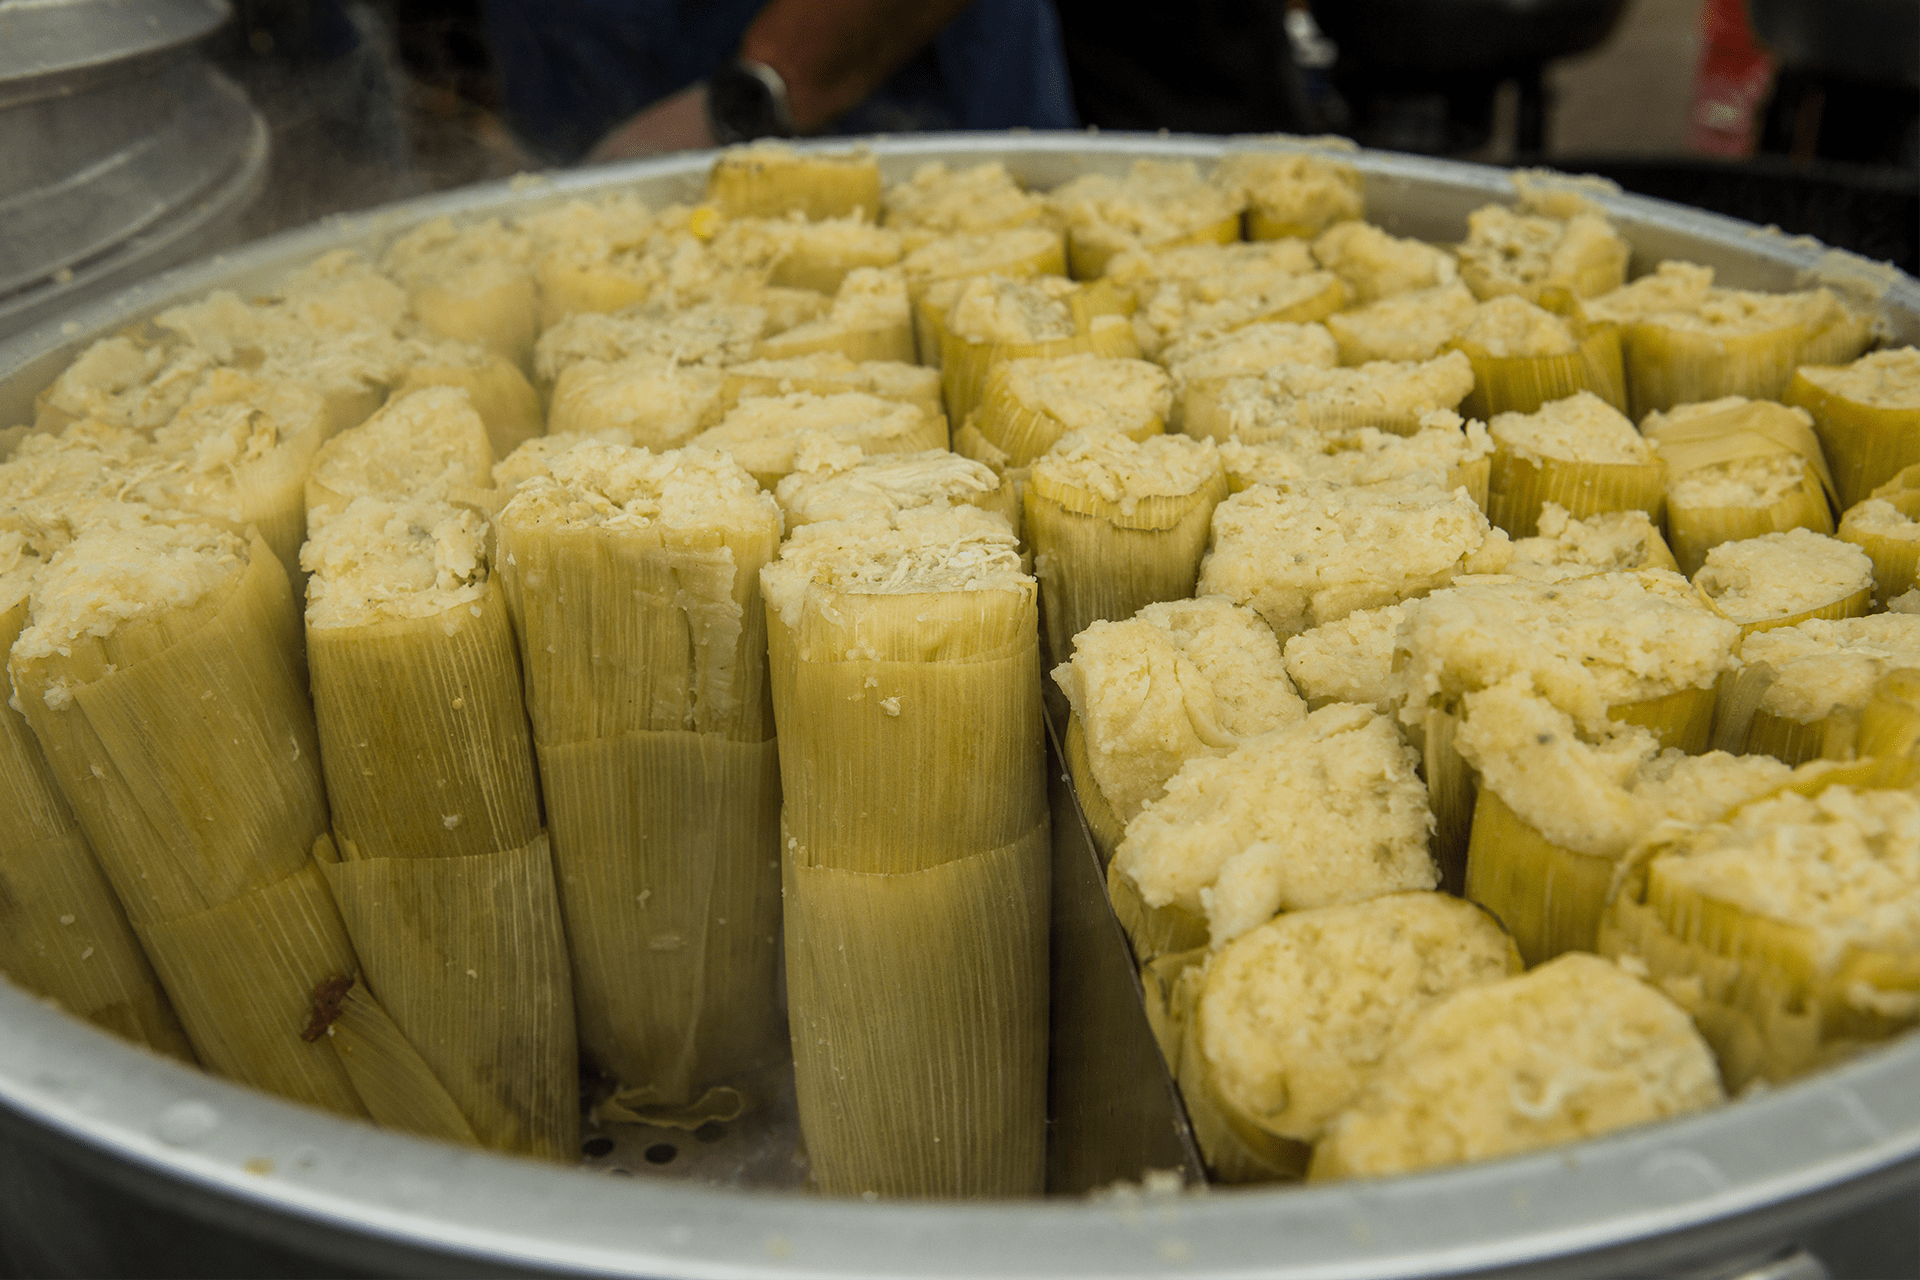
115 1153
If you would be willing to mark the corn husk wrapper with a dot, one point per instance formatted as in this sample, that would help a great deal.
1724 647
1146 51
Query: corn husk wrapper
1102 822
928 302
1889 725
1549 897
1154 931
663 845
1100 328
1087 258
187 749
917 873
488 303
1237 1151
1169 985
1518 488
1753 431
1896 561
398 1088
447 886
1866 445
1771 1005
641 645
770 181
499 392
932 1078
1668 366
1107 560
469 959
1855 604
1521 384
1682 719
63 934
1023 432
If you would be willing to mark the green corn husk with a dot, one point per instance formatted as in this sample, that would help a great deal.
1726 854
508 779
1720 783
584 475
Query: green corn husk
1550 898
63 934
1521 384
1087 256
1169 984
1755 430
642 642
1889 725
1101 559
1236 1151
1100 328
1102 822
1518 488
185 743
469 959
1023 431
1670 365
916 854
768 180
662 845
1764 992
933 1084
1154 931
447 886
935 272
1682 719
1896 560
399 1089
1866 445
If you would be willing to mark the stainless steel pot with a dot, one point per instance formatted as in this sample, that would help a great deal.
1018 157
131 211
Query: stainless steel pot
126 1142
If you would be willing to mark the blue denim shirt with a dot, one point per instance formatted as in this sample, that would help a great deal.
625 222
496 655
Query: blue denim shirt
572 69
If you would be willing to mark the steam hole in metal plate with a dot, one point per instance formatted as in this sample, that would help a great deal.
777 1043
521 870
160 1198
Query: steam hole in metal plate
711 1131
596 1147
661 1153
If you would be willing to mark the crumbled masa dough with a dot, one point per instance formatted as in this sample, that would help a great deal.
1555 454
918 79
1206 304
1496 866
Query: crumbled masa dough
766 433
110 575
996 309
1363 456
1572 1049
427 442
1843 865
1295 1013
1172 315
1249 350
382 559
652 400
1879 379
1158 201
1178 680
1210 272
1732 312
1778 575
981 197
1296 187
1610 542
1308 557
1824 664
1349 659
1596 794
923 550
1322 811
838 482
1123 471
1672 288
1588 644
1580 428
1750 482
1876 517
1092 393
1506 251
1510 326
603 484
1377 265
982 253
1380 393
715 334
1415 325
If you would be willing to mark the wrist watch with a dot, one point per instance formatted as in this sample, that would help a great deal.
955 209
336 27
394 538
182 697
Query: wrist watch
748 100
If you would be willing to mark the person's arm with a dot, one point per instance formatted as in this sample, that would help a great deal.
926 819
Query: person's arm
830 53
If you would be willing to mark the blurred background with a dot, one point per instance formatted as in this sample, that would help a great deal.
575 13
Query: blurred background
143 132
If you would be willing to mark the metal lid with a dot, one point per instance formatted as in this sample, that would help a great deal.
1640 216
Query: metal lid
54 46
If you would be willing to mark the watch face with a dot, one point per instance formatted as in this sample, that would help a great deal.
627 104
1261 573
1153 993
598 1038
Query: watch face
746 100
